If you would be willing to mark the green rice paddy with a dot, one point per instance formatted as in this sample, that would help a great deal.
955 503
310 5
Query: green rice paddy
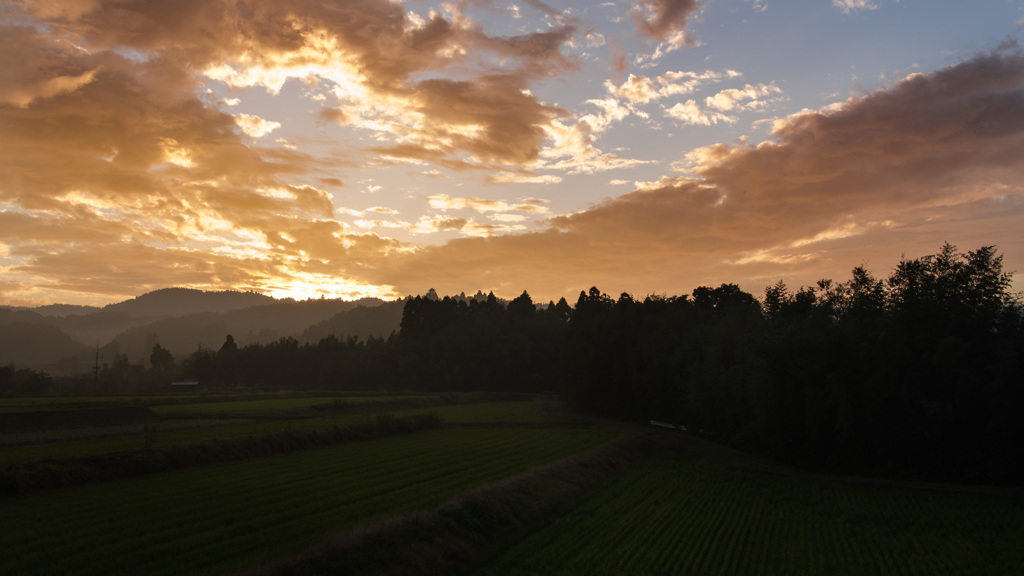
225 517
151 434
690 517
705 512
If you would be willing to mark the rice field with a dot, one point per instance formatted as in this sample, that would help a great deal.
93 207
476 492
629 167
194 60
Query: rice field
708 511
170 433
689 517
226 517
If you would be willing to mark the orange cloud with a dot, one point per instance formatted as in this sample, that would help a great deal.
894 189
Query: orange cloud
368 50
932 158
111 162
492 118
120 173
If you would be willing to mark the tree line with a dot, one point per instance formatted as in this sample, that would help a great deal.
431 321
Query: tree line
919 374
916 375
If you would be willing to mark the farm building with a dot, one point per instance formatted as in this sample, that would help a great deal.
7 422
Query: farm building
187 385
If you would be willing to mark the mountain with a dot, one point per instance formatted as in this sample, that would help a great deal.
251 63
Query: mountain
65 310
64 339
182 335
96 328
183 301
361 322
31 344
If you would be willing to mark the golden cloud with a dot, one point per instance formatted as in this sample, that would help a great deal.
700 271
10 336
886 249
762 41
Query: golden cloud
483 205
690 112
933 158
118 173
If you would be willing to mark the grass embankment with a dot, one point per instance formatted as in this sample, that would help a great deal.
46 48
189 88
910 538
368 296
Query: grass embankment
657 504
458 531
231 516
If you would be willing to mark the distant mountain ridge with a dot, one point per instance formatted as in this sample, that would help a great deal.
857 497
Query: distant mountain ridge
61 338
183 301
66 310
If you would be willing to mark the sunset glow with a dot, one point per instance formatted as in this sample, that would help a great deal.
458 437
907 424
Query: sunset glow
377 148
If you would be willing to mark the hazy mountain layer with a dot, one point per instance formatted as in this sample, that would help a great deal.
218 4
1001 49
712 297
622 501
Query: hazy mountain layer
65 339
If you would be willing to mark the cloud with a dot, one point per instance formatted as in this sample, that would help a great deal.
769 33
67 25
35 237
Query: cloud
573 146
643 89
492 119
750 97
932 158
511 177
482 205
734 98
50 68
664 20
847 5
114 149
690 112
254 126
366 52
48 88
121 171
466 226
639 90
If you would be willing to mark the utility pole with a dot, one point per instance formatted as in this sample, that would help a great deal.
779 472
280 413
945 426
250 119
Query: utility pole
96 371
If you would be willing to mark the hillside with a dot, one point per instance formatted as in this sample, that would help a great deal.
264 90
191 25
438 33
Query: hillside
361 322
30 344
184 301
66 310
61 339
182 335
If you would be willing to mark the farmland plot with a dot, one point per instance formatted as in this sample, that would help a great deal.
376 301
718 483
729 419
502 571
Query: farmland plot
171 432
165 434
667 517
220 518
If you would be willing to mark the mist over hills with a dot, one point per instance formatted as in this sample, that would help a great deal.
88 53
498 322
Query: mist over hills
64 339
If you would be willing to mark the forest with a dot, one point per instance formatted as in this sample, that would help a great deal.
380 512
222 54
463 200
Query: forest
917 375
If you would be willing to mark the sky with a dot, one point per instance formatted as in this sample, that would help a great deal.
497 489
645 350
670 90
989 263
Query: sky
361 148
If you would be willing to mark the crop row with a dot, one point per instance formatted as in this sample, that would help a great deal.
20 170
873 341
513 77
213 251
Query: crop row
224 517
691 518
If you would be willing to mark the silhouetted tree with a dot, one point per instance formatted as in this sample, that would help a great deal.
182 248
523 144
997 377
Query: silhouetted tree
161 359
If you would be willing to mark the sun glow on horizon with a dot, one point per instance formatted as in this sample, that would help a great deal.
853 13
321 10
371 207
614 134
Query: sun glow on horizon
306 286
